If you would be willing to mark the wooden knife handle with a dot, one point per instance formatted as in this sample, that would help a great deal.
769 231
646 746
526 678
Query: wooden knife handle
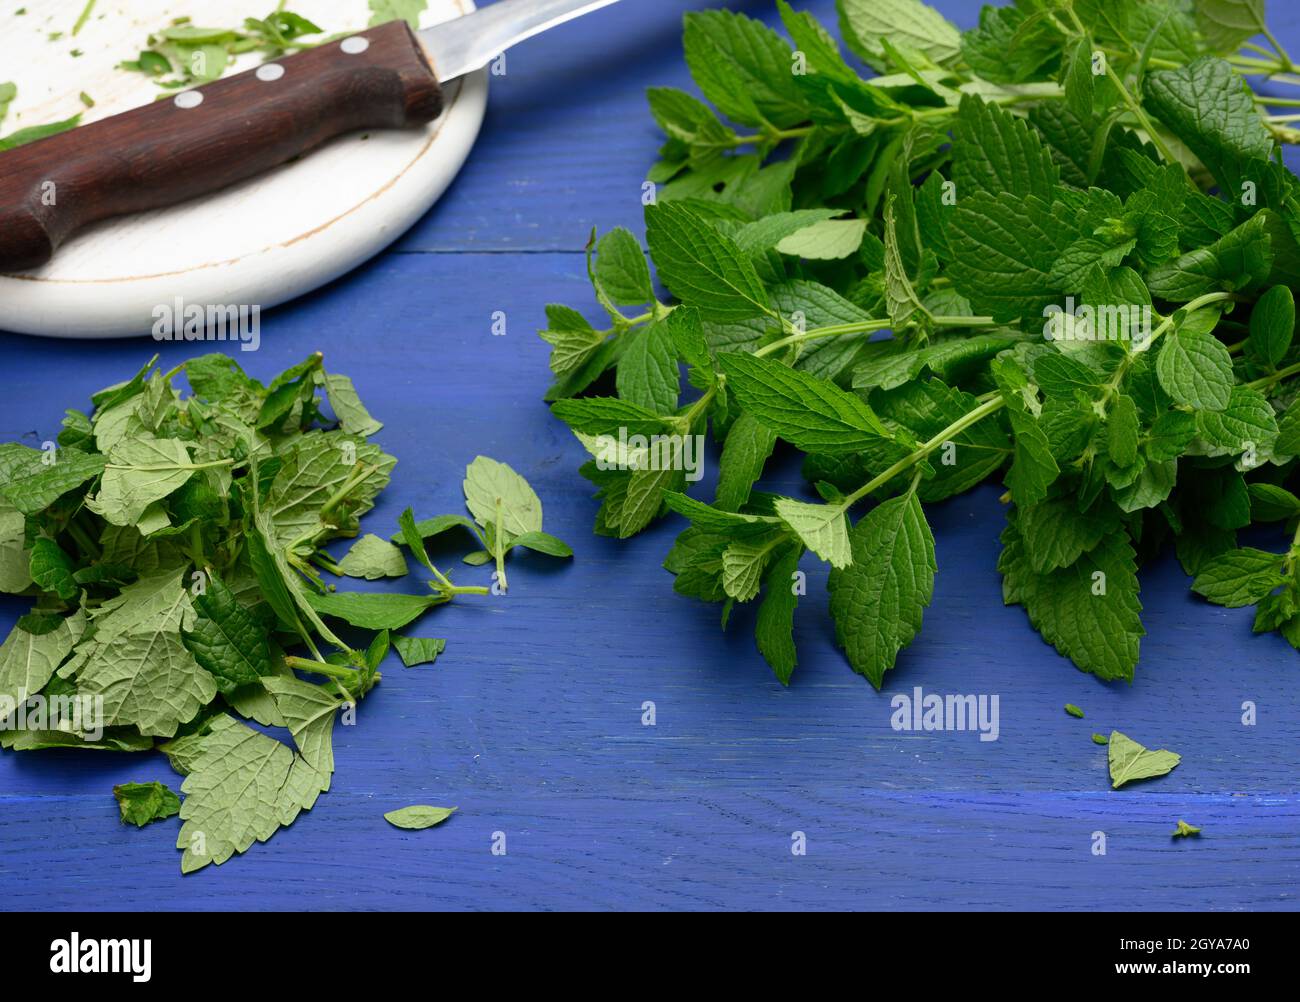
201 140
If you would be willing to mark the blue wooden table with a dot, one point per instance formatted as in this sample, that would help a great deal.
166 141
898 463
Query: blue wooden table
532 720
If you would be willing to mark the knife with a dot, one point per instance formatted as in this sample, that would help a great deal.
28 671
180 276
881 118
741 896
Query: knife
202 140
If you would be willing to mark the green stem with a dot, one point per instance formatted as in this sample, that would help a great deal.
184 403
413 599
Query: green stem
170 467
767 136
946 435
1287 65
85 16
700 405
1292 553
341 675
1185 309
83 539
835 330
1141 116
499 550
1133 106
196 544
327 562
1262 66
964 321
1266 381
348 487
342 672
451 590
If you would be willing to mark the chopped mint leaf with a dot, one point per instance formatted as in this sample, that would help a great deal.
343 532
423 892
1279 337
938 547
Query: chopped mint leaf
1131 761
419 816
143 803
418 650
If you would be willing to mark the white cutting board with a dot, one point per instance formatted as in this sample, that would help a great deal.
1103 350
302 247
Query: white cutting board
258 243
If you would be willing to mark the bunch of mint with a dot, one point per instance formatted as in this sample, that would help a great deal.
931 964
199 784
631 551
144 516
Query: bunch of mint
1075 222
174 550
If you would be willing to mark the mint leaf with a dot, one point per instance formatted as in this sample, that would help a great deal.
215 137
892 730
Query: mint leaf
621 269
1238 261
1131 761
243 787
910 25
1211 109
51 569
141 666
701 266
1247 423
1196 370
743 67
774 625
745 453
419 816
418 650
373 610
542 542
30 657
995 152
31 483
1055 533
825 240
807 412
1270 503
647 372
1272 325
823 528
308 712
227 640
142 803
1004 248
1240 577
372 557
140 471
1087 611
607 416
1225 25
348 408
892 572
15 559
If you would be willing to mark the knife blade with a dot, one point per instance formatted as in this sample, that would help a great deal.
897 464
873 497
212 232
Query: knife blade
471 42
209 137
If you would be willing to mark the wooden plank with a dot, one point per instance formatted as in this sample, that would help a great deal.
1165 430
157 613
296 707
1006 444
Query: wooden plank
531 721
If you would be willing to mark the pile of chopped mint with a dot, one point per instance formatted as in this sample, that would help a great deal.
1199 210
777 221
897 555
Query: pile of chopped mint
185 54
174 549
1074 223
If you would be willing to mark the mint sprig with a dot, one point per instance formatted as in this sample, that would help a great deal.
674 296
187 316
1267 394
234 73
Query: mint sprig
1059 249
177 552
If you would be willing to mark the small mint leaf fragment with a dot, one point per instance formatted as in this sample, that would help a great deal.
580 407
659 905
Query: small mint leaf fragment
144 803
419 816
